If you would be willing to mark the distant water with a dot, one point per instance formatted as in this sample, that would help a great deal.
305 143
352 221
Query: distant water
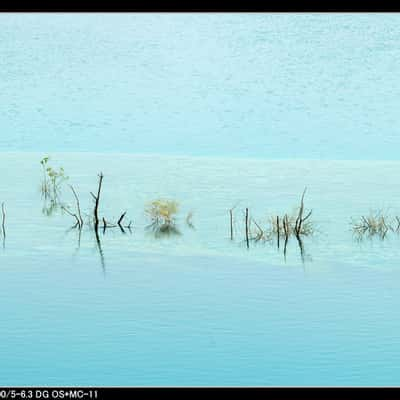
248 85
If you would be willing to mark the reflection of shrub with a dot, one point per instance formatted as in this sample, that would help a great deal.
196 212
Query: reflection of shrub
162 211
163 230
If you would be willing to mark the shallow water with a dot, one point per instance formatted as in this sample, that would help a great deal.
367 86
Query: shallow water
198 309
215 111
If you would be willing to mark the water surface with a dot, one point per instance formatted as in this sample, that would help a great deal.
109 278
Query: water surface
198 309
249 85
212 110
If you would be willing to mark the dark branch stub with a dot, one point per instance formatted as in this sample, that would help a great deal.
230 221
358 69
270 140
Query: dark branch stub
121 218
96 204
247 227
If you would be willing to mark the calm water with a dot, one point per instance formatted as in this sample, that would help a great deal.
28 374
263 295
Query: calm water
256 85
213 110
198 309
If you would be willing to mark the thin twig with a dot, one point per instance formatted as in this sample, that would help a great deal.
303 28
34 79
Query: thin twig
72 215
261 234
299 219
78 206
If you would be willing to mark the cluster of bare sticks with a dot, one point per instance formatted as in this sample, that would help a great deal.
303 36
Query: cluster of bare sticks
375 224
95 219
296 224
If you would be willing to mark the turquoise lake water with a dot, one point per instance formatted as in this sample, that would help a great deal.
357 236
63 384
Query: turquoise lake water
215 111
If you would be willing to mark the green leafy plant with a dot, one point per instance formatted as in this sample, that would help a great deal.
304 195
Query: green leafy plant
52 179
45 186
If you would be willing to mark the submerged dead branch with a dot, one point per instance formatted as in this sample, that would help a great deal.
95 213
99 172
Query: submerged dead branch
96 202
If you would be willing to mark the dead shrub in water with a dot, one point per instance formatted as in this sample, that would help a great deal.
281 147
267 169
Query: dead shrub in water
375 224
286 226
162 214
297 223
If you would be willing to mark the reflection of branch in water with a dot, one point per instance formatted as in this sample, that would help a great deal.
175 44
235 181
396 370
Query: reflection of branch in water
106 225
98 242
3 225
162 230
98 245
52 206
48 209
119 225
79 239
284 247
301 247
304 256
189 221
